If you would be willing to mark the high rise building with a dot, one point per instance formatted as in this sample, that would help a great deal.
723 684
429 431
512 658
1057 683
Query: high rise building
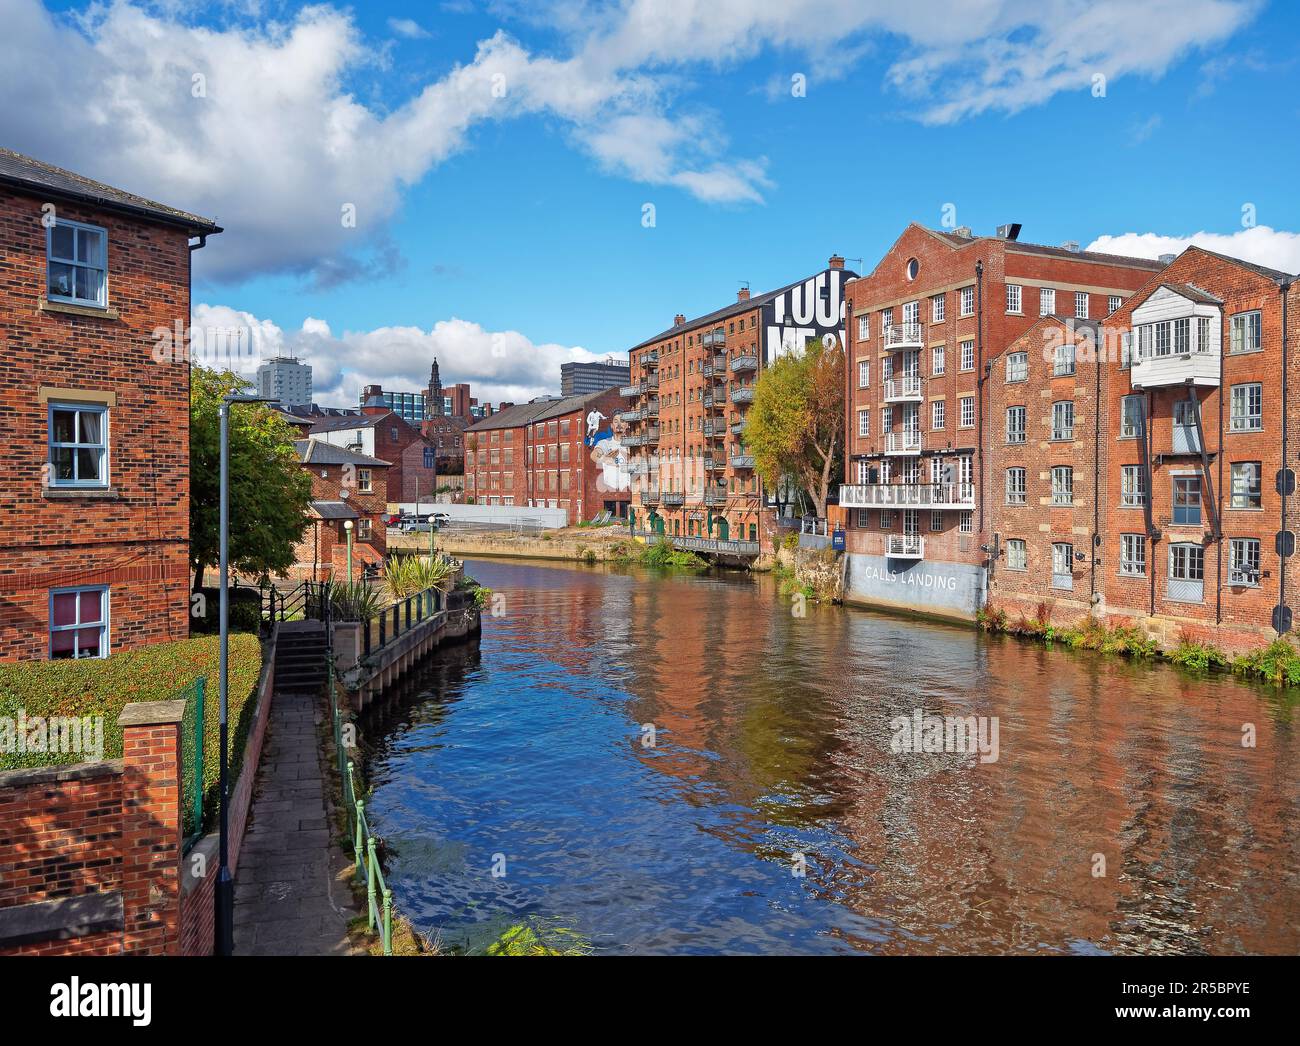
285 379
580 379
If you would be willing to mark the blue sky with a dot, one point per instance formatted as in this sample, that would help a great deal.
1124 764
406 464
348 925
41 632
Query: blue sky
504 232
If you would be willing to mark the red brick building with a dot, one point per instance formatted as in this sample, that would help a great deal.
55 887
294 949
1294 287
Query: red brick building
927 329
94 513
346 488
691 387
550 453
381 433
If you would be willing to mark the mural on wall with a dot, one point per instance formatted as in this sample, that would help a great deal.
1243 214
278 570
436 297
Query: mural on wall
811 309
608 454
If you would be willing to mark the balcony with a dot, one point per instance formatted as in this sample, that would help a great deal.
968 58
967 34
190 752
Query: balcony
905 546
650 360
643 467
629 417
741 364
711 464
650 409
737 427
648 438
903 390
715 497
650 497
905 442
742 394
714 428
709 402
742 461
714 338
904 335
673 498
630 390
908 495
1152 370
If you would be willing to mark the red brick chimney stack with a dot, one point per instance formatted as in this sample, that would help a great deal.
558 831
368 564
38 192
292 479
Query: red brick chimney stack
742 294
836 262
679 319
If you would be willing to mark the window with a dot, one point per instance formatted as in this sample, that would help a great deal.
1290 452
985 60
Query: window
937 362
363 528
363 480
886 520
1063 360
1125 350
1015 486
864 373
1130 417
1016 554
1133 555
968 301
864 327
862 517
1243 561
966 525
1013 297
1015 424
967 418
1245 485
936 520
1186 572
1046 301
1062 565
1081 304
937 308
1247 414
1187 501
1062 485
1133 487
78 445
864 472
79 622
393 434
886 419
967 355
1182 337
886 318
1245 332
864 422
76 265
1063 419
1113 302
937 417
886 368
1018 366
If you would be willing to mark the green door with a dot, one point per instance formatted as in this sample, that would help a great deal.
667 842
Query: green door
724 532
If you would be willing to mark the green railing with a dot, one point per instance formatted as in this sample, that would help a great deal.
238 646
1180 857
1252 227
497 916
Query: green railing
379 898
192 762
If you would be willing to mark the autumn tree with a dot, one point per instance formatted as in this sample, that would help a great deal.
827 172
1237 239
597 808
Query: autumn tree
269 489
795 425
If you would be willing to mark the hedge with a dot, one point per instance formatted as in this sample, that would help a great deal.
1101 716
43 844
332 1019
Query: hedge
95 687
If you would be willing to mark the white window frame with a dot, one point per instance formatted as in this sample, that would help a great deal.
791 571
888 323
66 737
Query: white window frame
1062 556
864 422
967 355
1014 298
1017 554
864 327
966 522
79 228
1062 486
937 308
1063 420
1242 324
938 415
967 301
864 374
1081 305
105 608
1018 366
1250 468
1113 302
1017 434
1133 555
1046 301
966 415
1014 489
100 482
937 361
1249 549
1132 486
1128 428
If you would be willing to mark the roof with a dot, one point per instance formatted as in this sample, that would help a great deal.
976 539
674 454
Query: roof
43 179
334 510
1022 247
1276 275
333 423
537 410
734 309
292 419
1192 293
318 452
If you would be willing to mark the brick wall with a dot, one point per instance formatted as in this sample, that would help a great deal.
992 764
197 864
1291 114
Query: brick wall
134 536
322 553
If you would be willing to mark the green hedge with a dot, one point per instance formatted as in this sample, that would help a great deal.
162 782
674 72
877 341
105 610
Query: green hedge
94 687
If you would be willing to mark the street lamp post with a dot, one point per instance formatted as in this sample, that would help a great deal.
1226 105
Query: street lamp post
225 893
347 529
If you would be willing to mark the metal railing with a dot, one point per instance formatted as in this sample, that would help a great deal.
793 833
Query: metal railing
305 601
897 334
815 525
906 387
905 442
742 394
742 461
713 337
744 363
192 762
907 495
908 546
398 619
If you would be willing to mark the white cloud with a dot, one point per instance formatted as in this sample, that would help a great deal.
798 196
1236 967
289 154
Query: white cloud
408 27
499 365
1259 244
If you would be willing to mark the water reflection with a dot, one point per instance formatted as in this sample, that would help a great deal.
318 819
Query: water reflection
773 741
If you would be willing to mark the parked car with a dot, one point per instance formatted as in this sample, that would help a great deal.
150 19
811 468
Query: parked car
416 526
441 518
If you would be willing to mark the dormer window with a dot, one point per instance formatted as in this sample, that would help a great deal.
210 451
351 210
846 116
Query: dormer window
76 263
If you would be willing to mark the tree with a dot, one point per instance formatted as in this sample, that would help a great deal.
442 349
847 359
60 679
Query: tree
269 489
796 421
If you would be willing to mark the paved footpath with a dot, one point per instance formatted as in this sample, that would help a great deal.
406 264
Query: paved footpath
290 898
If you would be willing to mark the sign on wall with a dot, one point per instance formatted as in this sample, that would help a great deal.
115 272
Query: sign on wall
811 309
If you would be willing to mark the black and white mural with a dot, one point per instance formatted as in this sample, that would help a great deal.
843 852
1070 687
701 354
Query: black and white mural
812 309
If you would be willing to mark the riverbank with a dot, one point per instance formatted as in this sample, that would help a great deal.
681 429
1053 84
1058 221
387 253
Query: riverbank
581 544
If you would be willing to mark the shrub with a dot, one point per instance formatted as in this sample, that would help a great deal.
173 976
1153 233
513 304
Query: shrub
1277 663
1198 656
662 554
482 596
992 619
790 542
1130 641
408 575
355 601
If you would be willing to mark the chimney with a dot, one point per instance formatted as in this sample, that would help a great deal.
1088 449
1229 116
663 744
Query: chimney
836 262
1010 231
1072 246
678 320
742 294
964 232
1167 259
372 400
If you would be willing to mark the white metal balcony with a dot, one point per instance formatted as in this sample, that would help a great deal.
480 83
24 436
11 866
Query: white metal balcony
905 546
908 495
904 389
905 442
904 335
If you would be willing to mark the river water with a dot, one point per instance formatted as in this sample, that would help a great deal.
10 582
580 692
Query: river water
680 764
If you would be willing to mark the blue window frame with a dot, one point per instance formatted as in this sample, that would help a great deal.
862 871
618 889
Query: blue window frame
1187 500
76 263
78 448
79 622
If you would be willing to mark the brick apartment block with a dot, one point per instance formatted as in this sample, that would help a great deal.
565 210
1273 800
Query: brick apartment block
536 455
94 513
346 487
690 389
938 312
384 434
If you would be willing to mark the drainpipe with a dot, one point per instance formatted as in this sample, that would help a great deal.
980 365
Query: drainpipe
1218 511
1096 469
1281 574
979 382
1150 499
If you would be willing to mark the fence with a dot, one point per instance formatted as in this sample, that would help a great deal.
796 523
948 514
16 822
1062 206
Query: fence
192 762
400 618
307 600
379 898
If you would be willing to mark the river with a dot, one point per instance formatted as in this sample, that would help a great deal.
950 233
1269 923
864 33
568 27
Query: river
681 764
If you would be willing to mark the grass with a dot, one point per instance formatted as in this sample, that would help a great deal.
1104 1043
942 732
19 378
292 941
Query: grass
662 555
94 687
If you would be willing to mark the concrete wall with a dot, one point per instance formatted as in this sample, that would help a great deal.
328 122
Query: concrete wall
506 515
925 587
